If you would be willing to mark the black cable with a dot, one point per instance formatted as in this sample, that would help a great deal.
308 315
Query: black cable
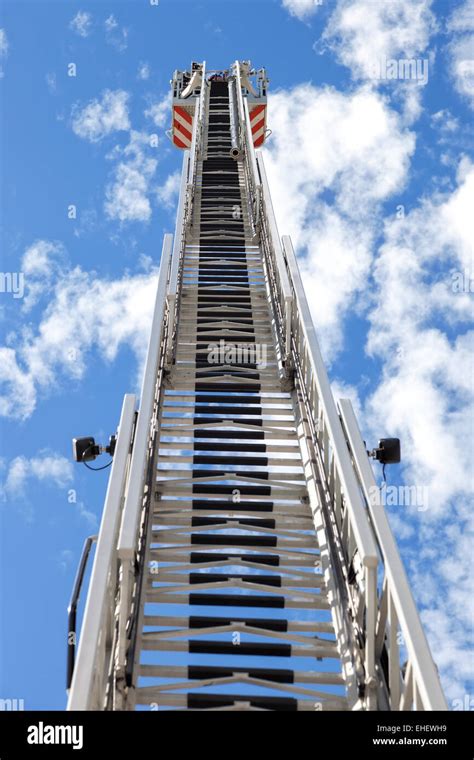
94 469
382 485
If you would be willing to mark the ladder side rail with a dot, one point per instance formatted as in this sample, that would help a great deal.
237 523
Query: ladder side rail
249 161
190 184
330 416
332 559
135 620
178 249
261 228
254 182
72 608
399 594
264 234
352 589
276 251
253 173
274 300
91 667
240 100
274 295
138 491
124 684
253 191
347 503
196 141
129 526
235 142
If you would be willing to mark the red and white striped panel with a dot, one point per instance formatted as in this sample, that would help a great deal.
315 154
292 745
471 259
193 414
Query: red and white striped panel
258 117
182 127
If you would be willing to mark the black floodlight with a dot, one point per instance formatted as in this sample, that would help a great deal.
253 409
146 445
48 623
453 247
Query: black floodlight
388 451
86 450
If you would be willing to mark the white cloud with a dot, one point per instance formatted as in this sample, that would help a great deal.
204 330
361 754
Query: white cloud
461 50
160 111
444 585
51 82
101 117
341 390
143 71
4 45
363 33
332 159
127 195
40 265
81 23
65 559
462 19
169 191
115 35
426 395
47 467
420 332
18 398
38 258
410 99
87 515
111 23
302 9
444 121
463 67
86 222
66 333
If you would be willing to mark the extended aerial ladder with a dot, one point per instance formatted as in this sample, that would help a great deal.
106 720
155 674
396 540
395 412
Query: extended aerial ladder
244 559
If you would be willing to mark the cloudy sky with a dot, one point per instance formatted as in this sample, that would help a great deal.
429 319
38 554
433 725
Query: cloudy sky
370 166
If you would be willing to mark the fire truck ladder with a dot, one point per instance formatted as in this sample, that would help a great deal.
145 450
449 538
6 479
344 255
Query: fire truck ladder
244 560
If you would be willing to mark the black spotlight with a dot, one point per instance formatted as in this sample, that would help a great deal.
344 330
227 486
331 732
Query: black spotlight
86 449
388 451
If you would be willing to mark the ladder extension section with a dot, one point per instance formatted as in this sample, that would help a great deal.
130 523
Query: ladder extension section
244 560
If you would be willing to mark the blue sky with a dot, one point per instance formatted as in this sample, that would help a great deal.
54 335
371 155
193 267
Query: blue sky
371 177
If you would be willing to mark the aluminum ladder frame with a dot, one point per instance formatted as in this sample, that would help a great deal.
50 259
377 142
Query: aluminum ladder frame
372 606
